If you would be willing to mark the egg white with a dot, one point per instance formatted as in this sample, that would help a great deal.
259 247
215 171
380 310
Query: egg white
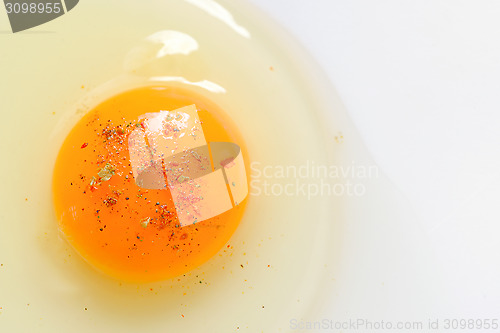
271 270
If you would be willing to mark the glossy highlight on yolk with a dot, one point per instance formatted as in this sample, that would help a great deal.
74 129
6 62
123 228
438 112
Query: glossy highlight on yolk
126 231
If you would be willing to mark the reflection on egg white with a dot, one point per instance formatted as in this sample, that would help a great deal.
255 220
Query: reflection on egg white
205 84
219 12
173 42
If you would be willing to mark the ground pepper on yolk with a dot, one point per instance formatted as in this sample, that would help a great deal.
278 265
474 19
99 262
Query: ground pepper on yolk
128 232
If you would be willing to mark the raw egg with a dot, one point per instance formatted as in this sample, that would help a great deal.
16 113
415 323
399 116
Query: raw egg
128 231
240 68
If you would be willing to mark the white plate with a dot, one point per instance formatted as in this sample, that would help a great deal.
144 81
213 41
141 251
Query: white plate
420 81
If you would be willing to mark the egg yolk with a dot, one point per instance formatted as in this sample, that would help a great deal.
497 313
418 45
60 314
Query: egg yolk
126 231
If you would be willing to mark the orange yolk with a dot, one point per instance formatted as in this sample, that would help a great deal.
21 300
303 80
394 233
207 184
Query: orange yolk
126 231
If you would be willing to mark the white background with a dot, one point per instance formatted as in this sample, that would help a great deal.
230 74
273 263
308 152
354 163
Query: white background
421 82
